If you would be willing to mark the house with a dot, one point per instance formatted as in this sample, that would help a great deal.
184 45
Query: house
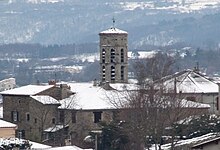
41 117
82 112
193 86
33 108
7 129
7 84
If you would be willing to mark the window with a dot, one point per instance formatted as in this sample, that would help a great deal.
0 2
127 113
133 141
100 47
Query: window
73 117
35 120
62 116
27 117
122 55
53 120
103 73
97 116
112 73
20 134
103 55
217 104
191 98
112 55
14 116
122 72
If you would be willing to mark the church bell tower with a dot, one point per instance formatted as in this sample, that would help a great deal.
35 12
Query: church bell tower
113 55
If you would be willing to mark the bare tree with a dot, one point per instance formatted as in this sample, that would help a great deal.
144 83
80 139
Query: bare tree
151 109
148 113
153 68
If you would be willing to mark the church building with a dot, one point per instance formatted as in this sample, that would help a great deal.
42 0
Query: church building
113 55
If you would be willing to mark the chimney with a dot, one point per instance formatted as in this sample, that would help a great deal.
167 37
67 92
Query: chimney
94 82
65 91
52 82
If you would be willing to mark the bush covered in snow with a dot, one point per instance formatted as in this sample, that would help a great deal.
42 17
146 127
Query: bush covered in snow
14 143
198 126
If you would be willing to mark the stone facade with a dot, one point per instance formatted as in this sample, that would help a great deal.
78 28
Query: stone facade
32 116
82 122
113 56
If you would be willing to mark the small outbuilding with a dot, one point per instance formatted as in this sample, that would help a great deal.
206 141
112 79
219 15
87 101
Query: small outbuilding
7 129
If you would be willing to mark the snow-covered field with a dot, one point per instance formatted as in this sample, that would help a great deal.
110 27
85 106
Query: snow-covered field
175 5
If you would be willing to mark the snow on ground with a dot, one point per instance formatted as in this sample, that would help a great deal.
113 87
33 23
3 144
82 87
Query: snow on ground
44 1
142 54
34 145
38 146
182 6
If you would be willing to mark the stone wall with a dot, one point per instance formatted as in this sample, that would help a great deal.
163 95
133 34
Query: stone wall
33 116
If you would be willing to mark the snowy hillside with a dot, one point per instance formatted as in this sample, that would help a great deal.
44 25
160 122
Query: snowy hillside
153 22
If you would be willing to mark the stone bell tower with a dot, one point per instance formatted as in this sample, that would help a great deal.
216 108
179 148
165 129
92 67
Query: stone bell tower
113 55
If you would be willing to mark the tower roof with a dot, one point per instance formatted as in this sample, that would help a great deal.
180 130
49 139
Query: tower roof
113 31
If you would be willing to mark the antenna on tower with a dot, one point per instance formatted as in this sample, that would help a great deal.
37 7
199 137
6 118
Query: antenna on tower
113 21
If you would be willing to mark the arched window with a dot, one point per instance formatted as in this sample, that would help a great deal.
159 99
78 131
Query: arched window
122 72
112 55
103 55
103 73
112 73
122 55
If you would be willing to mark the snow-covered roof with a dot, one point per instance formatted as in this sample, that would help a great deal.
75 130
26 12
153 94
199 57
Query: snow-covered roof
55 128
38 146
45 99
5 124
67 148
27 90
206 142
113 30
188 141
1 111
190 104
89 97
190 82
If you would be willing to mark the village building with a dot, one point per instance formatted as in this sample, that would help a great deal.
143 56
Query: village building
7 129
193 86
65 113
7 84
33 108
